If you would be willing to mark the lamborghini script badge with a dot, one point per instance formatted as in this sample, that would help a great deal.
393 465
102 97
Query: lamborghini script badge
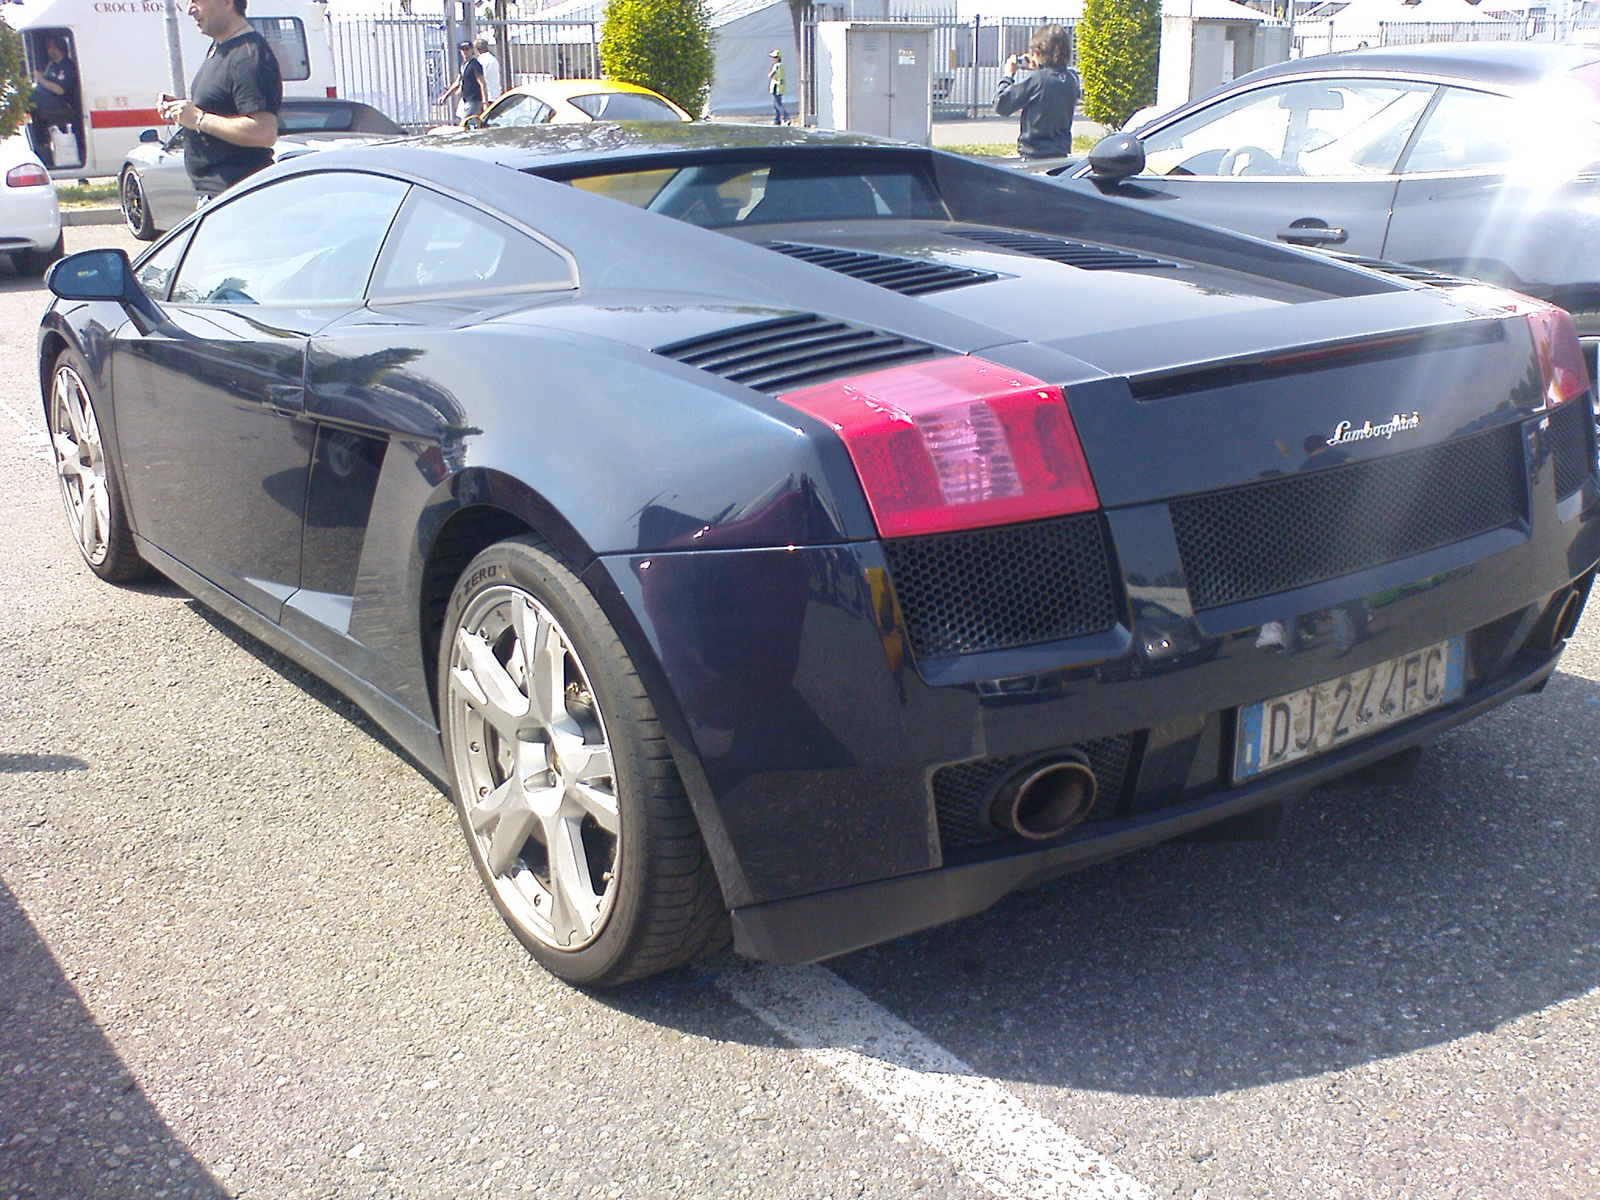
1345 432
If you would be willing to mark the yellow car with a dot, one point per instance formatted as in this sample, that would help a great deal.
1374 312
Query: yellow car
565 101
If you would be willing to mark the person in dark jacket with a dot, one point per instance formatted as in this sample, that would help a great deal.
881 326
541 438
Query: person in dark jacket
55 101
1044 88
232 110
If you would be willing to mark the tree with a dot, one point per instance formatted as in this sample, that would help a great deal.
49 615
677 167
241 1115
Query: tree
662 44
1118 42
15 87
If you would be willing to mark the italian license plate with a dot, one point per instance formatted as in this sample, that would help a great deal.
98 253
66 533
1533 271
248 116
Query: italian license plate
1286 729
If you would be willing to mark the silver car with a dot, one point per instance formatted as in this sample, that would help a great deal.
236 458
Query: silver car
1474 159
154 186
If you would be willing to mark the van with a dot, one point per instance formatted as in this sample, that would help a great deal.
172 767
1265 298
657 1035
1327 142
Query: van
120 47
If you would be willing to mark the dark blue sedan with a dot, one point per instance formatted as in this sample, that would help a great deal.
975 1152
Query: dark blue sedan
808 540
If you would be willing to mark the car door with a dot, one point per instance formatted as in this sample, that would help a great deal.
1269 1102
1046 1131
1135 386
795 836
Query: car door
1496 187
1304 161
211 401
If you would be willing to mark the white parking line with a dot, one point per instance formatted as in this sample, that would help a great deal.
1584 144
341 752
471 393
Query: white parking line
987 1133
18 417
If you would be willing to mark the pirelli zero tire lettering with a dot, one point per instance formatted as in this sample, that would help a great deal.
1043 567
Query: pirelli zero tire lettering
569 799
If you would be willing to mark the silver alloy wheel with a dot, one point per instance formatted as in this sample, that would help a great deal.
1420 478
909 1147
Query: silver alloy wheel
80 464
533 768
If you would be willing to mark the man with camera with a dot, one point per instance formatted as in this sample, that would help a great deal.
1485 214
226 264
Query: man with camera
1043 87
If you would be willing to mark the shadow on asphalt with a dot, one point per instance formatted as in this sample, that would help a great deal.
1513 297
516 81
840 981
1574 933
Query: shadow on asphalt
73 1123
1381 921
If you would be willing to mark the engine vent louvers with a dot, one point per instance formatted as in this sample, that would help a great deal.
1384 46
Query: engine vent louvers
1074 254
908 276
789 352
1400 270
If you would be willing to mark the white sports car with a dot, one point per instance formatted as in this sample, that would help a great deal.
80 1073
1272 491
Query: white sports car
30 214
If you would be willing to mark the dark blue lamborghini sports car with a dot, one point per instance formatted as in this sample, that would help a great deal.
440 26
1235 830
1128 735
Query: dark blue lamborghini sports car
806 540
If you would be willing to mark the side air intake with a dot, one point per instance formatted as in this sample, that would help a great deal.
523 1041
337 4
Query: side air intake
1074 254
780 355
908 276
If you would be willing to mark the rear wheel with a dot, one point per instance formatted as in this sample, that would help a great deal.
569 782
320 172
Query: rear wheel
571 805
135 209
89 488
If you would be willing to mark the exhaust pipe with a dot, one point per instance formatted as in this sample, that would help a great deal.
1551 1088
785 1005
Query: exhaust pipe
1567 618
1044 798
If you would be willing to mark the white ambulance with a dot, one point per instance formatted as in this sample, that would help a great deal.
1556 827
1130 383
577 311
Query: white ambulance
120 47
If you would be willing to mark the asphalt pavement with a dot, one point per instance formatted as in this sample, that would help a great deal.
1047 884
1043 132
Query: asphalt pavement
243 954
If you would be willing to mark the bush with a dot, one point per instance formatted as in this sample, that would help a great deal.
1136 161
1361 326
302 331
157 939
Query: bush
1118 43
15 87
661 44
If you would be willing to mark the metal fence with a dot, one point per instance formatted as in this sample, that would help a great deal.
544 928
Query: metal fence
400 64
1331 38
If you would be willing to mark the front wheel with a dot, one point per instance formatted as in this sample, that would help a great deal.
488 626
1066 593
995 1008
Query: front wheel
571 805
135 208
88 485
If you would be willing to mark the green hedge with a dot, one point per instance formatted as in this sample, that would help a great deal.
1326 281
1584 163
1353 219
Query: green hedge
15 87
662 44
1118 42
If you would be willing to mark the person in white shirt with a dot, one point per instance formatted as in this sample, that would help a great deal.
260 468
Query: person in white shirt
491 70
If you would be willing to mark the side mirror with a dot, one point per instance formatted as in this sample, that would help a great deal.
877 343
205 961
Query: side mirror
1116 157
150 135
103 275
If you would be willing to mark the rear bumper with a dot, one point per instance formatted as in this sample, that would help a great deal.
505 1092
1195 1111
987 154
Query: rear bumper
30 218
808 928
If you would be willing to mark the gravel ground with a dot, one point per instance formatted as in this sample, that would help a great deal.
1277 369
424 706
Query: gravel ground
242 953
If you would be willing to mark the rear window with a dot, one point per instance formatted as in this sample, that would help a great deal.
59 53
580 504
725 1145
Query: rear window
624 106
287 37
334 118
717 195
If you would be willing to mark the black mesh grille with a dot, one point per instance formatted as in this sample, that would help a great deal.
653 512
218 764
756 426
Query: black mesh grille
1073 254
1400 270
959 791
908 276
1269 537
779 355
990 589
1571 441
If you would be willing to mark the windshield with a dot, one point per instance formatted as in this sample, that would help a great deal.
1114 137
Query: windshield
624 106
715 195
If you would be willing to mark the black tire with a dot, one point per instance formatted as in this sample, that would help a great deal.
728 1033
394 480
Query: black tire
635 902
135 208
37 262
1588 324
87 475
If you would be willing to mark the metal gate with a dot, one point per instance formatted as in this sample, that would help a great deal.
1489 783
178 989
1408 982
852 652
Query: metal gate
400 63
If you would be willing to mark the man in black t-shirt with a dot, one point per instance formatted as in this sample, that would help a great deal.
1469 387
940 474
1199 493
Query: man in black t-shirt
55 101
232 111
469 83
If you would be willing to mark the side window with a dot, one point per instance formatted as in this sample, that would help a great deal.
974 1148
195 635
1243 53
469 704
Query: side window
311 239
1467 131
287 38
516 111
154 270
1309 128
441 247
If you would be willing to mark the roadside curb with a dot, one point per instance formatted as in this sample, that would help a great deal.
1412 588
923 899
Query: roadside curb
91 216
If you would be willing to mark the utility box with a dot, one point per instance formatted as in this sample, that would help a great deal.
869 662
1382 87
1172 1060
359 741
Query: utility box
874 77
1220 42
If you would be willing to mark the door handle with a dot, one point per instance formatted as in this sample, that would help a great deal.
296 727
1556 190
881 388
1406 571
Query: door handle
1313 235
286 398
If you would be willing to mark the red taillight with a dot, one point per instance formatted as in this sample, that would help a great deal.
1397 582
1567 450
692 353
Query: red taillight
27 175
1555 340
955 443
